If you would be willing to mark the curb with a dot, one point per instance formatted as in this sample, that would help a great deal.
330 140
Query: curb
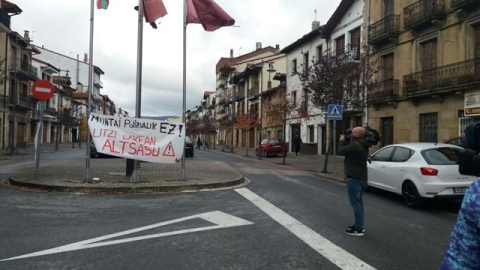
127 189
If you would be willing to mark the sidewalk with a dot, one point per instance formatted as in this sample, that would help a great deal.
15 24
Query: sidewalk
108 174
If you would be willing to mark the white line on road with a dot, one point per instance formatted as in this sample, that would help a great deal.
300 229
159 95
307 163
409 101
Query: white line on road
329 250
219 219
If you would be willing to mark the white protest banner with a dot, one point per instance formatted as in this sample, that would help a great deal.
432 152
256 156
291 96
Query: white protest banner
137 138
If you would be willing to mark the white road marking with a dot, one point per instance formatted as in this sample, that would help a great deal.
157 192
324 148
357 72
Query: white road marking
220 219
329 250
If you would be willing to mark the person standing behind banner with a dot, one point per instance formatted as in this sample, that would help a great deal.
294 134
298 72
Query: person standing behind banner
463 252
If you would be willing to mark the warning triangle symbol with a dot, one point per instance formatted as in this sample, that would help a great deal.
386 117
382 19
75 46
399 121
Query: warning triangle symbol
169 152
335 111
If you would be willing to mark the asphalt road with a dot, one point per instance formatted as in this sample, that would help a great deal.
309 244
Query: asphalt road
284 219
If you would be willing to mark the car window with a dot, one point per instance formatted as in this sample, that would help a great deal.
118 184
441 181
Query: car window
441 156
401 154
264 141
383 154
187 139
274 142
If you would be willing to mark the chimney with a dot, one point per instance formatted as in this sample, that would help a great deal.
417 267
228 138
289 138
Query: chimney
258 46
85 57
231 53
315 25
277 48
26 35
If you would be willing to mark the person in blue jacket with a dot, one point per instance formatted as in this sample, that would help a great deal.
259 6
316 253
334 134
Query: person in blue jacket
463 252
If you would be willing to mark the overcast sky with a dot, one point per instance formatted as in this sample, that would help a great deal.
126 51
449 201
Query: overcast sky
64 27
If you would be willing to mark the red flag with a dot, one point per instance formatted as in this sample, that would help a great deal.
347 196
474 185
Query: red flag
207 13
102 4
154 10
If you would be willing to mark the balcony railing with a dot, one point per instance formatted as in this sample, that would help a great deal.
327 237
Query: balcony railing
384 30
239 95
444 79
252 92
383 91
465 4
423 13
24 70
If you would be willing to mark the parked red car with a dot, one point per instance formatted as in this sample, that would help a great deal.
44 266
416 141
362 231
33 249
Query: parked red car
272 146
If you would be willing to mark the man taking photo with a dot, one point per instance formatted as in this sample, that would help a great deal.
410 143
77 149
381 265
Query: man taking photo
355 149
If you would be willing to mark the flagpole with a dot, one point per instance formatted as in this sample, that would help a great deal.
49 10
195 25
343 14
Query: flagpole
90 91
138 102
184 107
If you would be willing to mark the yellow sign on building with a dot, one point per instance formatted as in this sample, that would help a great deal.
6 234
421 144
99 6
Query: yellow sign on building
472 103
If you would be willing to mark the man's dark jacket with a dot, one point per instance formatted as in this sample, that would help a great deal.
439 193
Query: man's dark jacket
356 154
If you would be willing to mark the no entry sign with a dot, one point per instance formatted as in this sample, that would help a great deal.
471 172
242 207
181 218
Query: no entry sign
42 90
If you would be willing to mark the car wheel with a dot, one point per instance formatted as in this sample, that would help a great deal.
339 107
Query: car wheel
410 195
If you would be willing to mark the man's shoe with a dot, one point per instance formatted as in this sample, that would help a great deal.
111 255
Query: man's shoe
353 227
355 232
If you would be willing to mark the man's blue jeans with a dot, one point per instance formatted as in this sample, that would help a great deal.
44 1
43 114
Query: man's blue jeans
355 190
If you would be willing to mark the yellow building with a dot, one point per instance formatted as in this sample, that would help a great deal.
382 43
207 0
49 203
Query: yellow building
426 61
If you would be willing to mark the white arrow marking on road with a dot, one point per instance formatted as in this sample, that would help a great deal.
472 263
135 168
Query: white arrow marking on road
220 219
320 244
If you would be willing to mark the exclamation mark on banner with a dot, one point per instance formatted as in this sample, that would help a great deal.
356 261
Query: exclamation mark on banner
169 152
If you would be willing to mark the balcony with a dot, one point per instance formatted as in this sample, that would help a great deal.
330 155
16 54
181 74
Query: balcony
24 70
98 83
253 92
239 95
384 31
383 92
446 79
465 4
423 13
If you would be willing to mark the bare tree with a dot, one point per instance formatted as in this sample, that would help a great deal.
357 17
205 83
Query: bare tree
338 78
246 121
281 109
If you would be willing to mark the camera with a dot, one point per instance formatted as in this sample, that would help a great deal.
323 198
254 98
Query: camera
469 162
372 136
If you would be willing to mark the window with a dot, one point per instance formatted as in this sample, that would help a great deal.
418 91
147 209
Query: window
294 98
428 127
305 60
476 34
387 67
441 156
294 67
280 134
340 45
401 154
311 134
319 52
355 44
388 7
428 54
383 155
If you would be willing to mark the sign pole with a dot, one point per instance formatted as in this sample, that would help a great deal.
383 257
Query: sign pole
334 146
38 137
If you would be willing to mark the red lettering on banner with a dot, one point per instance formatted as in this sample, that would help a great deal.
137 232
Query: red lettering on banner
169 151
151 140
105 133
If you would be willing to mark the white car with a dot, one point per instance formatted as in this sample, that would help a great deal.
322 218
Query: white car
418 171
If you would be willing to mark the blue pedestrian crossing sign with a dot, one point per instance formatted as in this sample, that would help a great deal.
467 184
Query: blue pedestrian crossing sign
334 112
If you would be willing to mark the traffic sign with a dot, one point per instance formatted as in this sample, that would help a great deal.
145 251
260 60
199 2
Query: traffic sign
334 112
43 90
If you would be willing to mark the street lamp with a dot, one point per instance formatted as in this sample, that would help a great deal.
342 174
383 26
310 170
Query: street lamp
269 70
59 108
27 48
